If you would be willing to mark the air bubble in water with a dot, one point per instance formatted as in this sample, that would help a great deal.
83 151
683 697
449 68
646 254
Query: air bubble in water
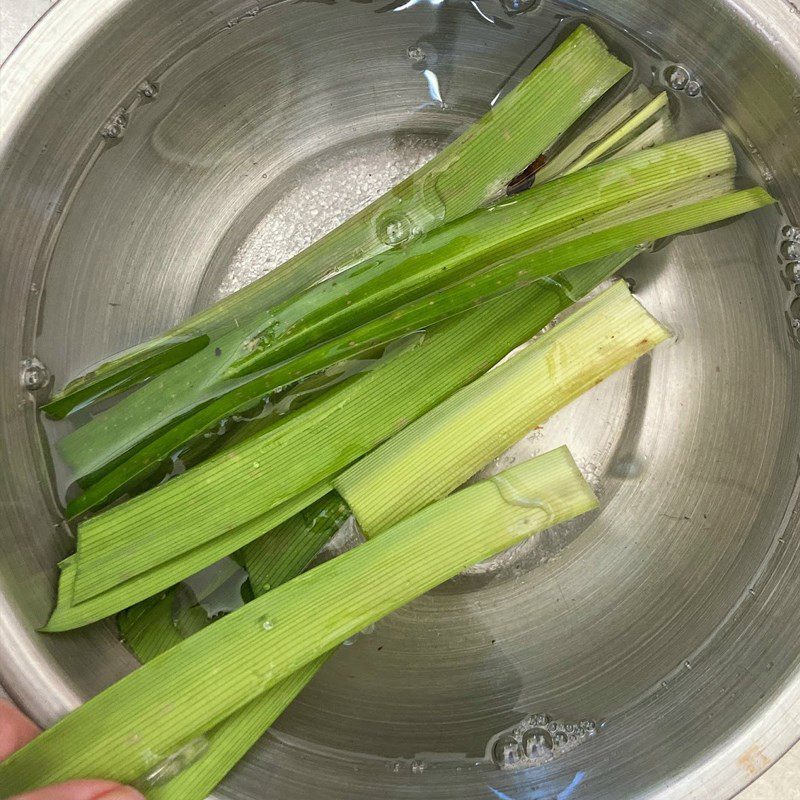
794 313
537 743
519 6
790 250
35 374
537 740
507 751
794 272
149 90
417 766
115 125
416 55
677 77
790 232
173 765
694 89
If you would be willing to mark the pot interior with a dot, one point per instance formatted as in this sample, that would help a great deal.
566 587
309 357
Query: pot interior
666 619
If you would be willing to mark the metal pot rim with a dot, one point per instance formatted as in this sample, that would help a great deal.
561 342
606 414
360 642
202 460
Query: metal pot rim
39 58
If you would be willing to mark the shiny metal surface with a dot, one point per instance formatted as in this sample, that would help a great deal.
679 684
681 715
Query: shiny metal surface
672 616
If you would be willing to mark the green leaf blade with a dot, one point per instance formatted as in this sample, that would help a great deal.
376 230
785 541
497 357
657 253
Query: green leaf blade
154 710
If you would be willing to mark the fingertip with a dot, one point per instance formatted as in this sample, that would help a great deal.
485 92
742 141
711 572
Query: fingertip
16 730
82 790
122 793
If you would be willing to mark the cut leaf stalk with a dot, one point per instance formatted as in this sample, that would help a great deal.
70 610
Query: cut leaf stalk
661 131
124 372
595 132
551 210
233 488
625 132
155 708
432 456
373 407
282 553
461 178
537 306
270 549
70 613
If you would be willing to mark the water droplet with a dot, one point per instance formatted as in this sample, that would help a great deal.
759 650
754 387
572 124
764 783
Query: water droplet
416 55
393 228
35 375
790 232
267 624
537 743
790 250
687 664
173 765
418 767
349 642
677 77
369 630
694 89
507 751
794 272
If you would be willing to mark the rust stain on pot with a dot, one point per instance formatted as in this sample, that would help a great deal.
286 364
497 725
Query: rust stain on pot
754 761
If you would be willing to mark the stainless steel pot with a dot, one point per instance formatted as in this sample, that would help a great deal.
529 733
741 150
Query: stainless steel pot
143 140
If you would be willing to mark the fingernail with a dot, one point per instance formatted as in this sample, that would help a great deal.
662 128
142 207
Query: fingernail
123 793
